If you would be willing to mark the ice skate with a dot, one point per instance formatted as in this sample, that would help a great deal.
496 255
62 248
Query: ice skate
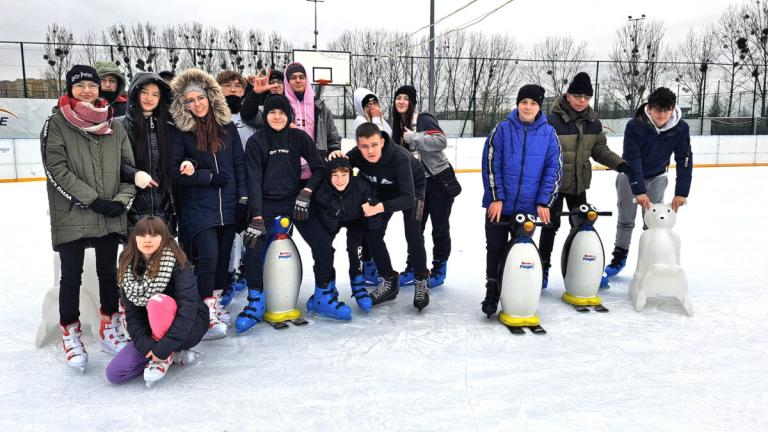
252 314
387 289
421 292
406 277
77 357
186 357
111 333
154 371
491 302
216 328
221 312
438 273
370 273
325 302
360 294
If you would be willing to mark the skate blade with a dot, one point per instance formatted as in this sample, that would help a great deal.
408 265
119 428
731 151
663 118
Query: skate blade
539 330
299 322
516 330
278 325
601 308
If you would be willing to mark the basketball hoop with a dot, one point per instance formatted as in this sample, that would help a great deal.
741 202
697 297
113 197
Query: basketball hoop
323 82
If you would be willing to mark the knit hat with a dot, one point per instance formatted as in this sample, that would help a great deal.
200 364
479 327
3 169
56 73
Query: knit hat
276 75
194 87
581 85
368 98
280 102
336 163
531 91
81 73
408 91
293 68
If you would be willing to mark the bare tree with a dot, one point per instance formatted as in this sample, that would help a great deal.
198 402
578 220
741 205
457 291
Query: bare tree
234 56
636 61
169 55
90 52
58 53
727 33
558 59
754 45
695 53
118 35
145 39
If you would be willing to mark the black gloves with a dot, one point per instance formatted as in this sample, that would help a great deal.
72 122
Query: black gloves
107 208
218 180
301 209
254 233
624 168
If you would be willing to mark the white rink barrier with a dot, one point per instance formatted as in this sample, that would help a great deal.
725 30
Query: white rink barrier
20 158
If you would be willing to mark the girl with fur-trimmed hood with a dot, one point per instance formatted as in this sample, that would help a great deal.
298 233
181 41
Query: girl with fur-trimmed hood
209 169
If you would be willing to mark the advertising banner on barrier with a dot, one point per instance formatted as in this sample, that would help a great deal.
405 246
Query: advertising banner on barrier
23 118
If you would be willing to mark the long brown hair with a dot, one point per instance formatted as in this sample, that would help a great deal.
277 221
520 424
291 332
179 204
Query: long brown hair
208 133
132 256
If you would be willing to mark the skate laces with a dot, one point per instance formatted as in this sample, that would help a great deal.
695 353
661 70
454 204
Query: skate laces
421 290
382 289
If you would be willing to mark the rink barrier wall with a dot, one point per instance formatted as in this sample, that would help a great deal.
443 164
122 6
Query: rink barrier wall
20 158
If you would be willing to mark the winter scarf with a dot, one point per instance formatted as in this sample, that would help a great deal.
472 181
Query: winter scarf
140 290
304 107
92 118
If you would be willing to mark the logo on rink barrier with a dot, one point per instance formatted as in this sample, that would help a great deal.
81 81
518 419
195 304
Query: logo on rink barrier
589 258
526 265
3 118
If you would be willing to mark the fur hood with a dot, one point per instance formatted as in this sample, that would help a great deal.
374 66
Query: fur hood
183 118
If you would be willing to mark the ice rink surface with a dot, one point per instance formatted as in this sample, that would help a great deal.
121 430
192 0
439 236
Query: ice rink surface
448 368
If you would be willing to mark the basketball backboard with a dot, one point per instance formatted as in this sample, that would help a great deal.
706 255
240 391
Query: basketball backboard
327 67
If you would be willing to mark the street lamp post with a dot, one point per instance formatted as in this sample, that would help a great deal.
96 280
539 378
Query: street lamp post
315 2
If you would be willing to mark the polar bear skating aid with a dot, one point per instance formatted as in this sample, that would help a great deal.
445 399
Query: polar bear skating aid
658 271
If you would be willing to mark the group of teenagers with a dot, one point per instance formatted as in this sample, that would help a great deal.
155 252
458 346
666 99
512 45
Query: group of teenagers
213 162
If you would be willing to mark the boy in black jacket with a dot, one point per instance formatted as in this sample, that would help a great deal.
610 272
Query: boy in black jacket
338 203
398 182
273 162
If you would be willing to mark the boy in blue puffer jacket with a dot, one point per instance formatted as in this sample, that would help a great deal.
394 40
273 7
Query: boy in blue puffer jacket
521 173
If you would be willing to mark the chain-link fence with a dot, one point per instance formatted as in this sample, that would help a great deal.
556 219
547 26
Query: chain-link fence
472 93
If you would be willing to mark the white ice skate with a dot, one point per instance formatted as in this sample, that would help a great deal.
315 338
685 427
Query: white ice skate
77 357
221 312
186 357
111 334
216 328
154 371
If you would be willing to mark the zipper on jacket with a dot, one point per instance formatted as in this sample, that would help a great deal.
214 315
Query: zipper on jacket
522 168
221 211
149 148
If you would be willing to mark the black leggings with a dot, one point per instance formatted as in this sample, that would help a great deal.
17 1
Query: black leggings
547 237
437 205
212 248
72 255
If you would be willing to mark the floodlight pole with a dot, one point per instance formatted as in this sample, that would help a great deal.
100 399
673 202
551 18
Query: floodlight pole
431 106
316 2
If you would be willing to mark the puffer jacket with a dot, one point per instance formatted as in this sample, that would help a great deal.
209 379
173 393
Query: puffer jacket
361 118
204 206
647 149
428 143
522 165
581 137
150 201
81 167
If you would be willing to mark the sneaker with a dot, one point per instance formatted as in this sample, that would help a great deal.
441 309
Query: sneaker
438 273
111 333
325 302
77 357
185 357
154 371
491 301
216 328
406 277
360 294
387 289
421 292
221 312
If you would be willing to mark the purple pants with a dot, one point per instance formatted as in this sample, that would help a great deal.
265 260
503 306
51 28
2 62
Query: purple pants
129 363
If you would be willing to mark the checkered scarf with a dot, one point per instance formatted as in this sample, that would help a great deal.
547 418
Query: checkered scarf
140 290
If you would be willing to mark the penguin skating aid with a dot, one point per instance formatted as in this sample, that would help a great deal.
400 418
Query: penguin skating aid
282 276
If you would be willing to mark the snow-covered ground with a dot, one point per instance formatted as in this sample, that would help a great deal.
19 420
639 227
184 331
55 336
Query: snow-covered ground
448 368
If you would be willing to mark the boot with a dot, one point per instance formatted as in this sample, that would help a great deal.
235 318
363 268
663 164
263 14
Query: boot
111 333
438 273
618 262
544 274
370 273
222 313
421 291
387 289
406 276
154 371
216 328
491 302
77 357
325 302
360 294
253 313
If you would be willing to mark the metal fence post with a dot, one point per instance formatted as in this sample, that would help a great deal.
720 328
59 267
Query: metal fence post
597 86
23 70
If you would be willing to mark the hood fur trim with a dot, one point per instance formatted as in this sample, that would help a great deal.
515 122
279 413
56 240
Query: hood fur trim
183 118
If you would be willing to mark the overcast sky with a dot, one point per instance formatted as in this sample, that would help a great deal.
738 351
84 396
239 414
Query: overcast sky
529 21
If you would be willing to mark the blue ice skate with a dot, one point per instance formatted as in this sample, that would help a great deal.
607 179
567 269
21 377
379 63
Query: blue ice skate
406 277
360 294
438 274
325 302
370 273
616 265
252 314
